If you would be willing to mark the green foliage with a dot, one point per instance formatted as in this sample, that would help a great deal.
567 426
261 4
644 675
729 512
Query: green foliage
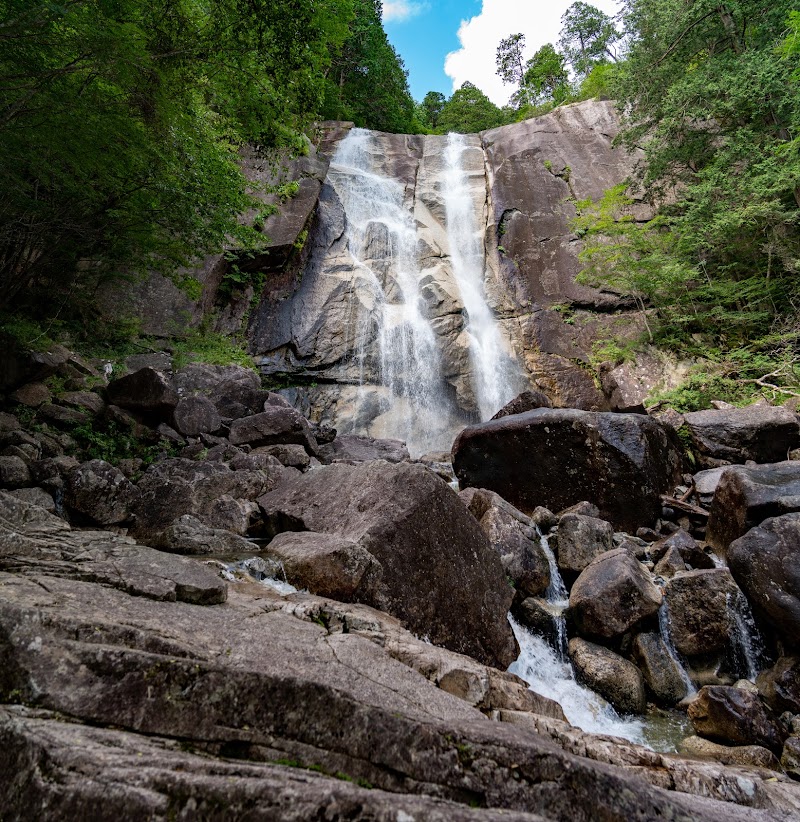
431 108
546 77
209 347
468 111
587 37
598 82
112 443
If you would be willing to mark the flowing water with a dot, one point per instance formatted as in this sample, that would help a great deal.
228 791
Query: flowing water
666 638
389 331
746 640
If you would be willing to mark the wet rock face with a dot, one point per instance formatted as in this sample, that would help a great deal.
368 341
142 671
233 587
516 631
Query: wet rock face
440 575
746 496
557 457
780 685
661 672
766 563
700 617
612 676
735 716
579 540
612 595
761 433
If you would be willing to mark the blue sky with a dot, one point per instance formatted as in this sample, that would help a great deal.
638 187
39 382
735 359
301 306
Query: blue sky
445 42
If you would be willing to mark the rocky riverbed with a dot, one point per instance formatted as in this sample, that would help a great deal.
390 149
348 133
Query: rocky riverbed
143 678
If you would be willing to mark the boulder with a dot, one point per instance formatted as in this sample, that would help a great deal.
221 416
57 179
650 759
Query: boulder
32 395
196 415
671 563
353 449
86 400
327 565
202 378
35 496
526 401
780 685
579 540
61 415
187 535
291 456
701 621
613 677
686 546
276 425
557 457
735 716
100 492
766 564
440 574
754 756
790 757
542 618
612 595
235 399
145 390
14 472
662 674
747 495
762 433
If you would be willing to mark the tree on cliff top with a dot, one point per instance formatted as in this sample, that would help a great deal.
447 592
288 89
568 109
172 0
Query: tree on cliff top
468 111
587 37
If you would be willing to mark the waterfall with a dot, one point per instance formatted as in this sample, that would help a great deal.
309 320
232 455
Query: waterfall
381 238
494 373
746 640
666 638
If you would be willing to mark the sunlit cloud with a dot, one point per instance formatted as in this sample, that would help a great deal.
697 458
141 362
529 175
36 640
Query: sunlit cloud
397 11
479 36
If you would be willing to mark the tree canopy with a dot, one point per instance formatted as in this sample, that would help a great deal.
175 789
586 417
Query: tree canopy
468 111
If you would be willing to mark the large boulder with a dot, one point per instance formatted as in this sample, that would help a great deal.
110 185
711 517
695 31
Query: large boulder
275 425
612 595
196 415
101 493
440 574
579 540
661 672
699 603
766 564
612 676
526 401
351 448
780 685
145 390
747 495
557 457
735 716
762 433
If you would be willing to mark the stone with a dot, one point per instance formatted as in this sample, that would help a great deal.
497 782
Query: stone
662 674
765 564
584 508
526 401
14 472
325 434
168 433
8 422
187 535
33 394
780 685
239 398
612 595
327 565
687 548
733 716
292 456
61 416
35 496
275 425
100 492
746 496
754 756
540 616
196 415
354 449
440 574
557 457
19 365
544 518
700 618
86 400
579 540
144 390
613 677
762 433
790 757
671 563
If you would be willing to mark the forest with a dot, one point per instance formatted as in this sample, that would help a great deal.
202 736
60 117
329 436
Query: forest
121 121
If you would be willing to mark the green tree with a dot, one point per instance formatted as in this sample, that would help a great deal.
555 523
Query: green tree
469 111
432 104
587 38
510 64
546 77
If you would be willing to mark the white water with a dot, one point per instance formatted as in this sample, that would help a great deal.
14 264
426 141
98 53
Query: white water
540 666
666 638
746 638
494 373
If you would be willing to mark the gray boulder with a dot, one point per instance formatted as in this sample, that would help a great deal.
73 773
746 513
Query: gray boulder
196 415
612 676
661 672
145 390
440 574
276 425
746 496
100 492
612 595
579 540
766 564
557 457
526 401
14 472
354 449
754 756
762 433
187 535
779 685
701 620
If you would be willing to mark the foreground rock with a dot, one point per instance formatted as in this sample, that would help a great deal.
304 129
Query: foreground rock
612 676
439 573
557 457
762 433
746 496
766 563
661 672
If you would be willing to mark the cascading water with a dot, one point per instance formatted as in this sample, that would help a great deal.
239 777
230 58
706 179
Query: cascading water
494 372
666 638
747 642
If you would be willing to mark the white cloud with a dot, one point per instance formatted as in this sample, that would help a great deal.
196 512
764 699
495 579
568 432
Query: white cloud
538 20
401 10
